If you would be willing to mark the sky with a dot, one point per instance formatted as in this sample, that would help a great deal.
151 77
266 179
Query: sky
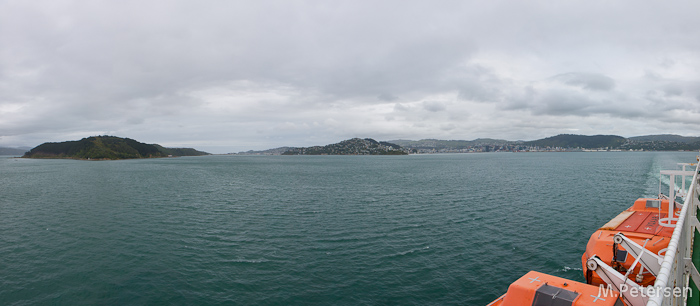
230 76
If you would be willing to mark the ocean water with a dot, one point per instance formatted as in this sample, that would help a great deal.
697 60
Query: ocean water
306 230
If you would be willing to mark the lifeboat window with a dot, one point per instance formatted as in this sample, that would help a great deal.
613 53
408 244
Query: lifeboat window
548 295
653 203
621 256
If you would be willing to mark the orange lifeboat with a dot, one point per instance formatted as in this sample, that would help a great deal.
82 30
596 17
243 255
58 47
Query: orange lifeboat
537 288
643 223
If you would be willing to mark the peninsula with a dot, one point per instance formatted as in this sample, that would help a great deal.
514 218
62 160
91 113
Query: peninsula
106 148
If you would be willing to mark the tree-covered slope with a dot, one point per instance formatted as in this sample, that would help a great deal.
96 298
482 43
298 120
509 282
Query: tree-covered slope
666 138
579 141
180 151
102 147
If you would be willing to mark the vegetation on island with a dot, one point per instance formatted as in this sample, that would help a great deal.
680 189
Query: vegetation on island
355 146
106 147
180 151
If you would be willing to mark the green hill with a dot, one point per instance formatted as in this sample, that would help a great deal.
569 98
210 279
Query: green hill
579 141
666 138
105 147
180 151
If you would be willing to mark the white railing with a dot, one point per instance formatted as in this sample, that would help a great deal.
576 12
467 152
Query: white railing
676 267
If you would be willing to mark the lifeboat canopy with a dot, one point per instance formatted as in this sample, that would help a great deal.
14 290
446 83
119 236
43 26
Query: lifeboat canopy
539 289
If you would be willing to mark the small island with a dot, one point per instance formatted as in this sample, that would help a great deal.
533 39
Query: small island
106 148
354 146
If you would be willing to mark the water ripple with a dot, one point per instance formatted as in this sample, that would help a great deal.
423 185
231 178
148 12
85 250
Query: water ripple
305 230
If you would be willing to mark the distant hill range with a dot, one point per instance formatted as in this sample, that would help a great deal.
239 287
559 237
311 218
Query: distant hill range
563 142
13 151
612 142
275 151
448 144
666 138
354 146
106 147
579 141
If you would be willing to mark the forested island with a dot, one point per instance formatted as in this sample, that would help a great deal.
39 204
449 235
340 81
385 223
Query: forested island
106 148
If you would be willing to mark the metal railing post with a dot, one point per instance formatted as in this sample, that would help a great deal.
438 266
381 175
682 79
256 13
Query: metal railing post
673 268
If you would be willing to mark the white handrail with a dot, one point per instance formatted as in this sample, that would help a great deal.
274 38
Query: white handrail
673 264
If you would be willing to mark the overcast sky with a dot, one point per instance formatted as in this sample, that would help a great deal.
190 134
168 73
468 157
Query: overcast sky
228 76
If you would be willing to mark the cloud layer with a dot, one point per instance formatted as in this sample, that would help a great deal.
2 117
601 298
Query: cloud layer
229 76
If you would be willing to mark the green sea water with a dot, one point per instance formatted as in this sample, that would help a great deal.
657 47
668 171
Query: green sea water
306 230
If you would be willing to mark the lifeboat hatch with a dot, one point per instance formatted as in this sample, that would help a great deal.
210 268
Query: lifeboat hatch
653 203
548 295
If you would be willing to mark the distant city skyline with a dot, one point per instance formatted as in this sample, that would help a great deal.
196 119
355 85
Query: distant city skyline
253 75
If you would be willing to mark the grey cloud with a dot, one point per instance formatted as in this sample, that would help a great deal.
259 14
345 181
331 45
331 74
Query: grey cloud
521 98
480 84
667 63
651 75
448 127
551 100
673 90
387 97
477 91
561 103
403 66
590 81
433 106
398 107
622 109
